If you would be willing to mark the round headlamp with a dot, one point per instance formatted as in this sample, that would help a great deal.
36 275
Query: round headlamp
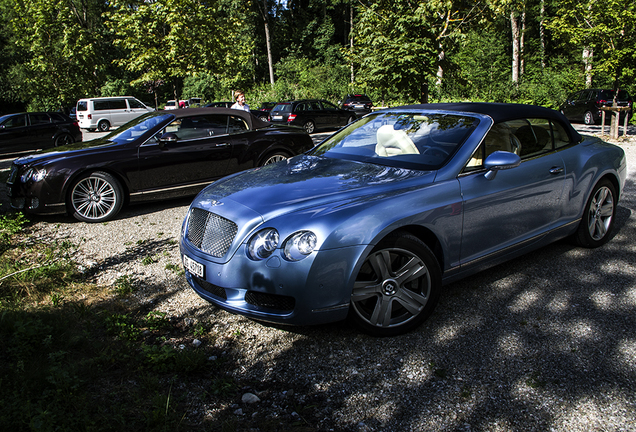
263 244
299 245
33 174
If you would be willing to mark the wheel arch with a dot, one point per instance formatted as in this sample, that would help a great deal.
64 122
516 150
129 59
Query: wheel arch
428 237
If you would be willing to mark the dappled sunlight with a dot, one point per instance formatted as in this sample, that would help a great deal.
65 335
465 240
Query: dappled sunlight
627 354
511 345
452 331
526 300
560 302
603 300
594 414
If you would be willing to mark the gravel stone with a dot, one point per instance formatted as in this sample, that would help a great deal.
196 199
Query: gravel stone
546 342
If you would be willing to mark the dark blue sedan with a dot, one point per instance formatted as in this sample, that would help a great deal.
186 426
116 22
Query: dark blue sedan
372 222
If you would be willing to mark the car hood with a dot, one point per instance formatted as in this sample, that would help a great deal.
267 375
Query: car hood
49 155
306 181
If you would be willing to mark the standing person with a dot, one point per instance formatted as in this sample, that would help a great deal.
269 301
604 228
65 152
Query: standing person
240 101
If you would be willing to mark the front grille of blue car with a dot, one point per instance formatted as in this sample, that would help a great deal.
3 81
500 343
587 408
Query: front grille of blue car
270 301
211 233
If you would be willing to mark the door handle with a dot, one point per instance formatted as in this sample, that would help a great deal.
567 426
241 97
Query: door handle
222 144
556 170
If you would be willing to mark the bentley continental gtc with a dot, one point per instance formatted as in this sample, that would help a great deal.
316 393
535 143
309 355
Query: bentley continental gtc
374 221
163 154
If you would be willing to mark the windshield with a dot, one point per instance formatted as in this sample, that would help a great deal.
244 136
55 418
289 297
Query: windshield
134 129
414 140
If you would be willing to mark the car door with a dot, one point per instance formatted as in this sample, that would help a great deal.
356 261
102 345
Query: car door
42 131
330 115
13 134
198 153
119 112
518 205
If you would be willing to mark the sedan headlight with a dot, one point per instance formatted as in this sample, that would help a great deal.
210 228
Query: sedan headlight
299 245
33 174
263 244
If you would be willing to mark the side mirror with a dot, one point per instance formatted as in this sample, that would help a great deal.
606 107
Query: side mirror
168 138
500 160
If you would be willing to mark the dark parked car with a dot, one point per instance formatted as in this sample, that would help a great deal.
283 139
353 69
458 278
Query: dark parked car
262 112
585 104
159 155
219 105
311 114
361 104
26 132
377 218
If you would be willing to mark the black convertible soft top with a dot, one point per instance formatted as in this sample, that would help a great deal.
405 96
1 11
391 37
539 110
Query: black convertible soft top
501 112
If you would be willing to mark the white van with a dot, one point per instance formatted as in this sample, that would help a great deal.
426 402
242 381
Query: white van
103 112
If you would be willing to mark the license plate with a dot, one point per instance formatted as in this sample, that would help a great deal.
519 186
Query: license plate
277 117
194 267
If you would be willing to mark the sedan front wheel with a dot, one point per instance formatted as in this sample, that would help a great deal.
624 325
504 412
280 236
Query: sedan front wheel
96 197
397 287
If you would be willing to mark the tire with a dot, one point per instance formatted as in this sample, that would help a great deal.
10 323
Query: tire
63 140
598 217
274 158
397 287
95 197
588 118
309 126
351 119
103 126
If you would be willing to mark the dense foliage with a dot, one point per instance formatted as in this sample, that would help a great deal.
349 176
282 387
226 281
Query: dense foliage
53 52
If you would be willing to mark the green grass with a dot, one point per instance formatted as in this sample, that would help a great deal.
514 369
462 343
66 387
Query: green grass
80 357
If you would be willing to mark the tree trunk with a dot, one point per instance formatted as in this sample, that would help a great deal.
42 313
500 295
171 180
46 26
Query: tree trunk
522 62
514 26
542 33
588 56
440 70
268 42
351 39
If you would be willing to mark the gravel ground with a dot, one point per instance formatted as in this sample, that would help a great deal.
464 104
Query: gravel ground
544 342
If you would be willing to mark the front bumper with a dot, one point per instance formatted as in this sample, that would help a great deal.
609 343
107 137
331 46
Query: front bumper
315 290
33 197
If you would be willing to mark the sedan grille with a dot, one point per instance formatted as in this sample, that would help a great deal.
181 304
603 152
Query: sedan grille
211 233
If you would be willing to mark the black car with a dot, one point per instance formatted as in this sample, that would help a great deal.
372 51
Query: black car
262 112
26 132
361 104
585 105
311 114
158 155
224 104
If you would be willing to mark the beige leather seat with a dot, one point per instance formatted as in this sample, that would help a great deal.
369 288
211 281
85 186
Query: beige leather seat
391 142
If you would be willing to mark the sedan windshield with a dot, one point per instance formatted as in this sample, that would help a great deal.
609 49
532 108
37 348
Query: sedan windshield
414 140
134 129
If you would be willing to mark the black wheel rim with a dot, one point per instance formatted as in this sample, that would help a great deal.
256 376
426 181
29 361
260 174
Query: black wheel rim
600 214
392 288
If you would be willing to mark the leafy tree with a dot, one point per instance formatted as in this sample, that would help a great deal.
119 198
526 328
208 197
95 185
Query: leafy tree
64 50
171 39
605 33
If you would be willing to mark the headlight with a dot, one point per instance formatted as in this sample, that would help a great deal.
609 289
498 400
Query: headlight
299 245
33 174
263 244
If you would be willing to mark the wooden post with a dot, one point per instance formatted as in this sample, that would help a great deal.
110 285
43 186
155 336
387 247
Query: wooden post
602 122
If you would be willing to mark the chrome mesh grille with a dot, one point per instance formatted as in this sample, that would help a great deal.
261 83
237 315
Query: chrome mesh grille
211 233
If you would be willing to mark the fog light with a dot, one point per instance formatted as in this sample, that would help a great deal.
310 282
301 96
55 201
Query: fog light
18 203
35 203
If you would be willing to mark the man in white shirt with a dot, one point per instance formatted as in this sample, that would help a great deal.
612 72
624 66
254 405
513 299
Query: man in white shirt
240 102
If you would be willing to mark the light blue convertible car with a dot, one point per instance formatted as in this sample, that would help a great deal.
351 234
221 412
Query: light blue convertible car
372 222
